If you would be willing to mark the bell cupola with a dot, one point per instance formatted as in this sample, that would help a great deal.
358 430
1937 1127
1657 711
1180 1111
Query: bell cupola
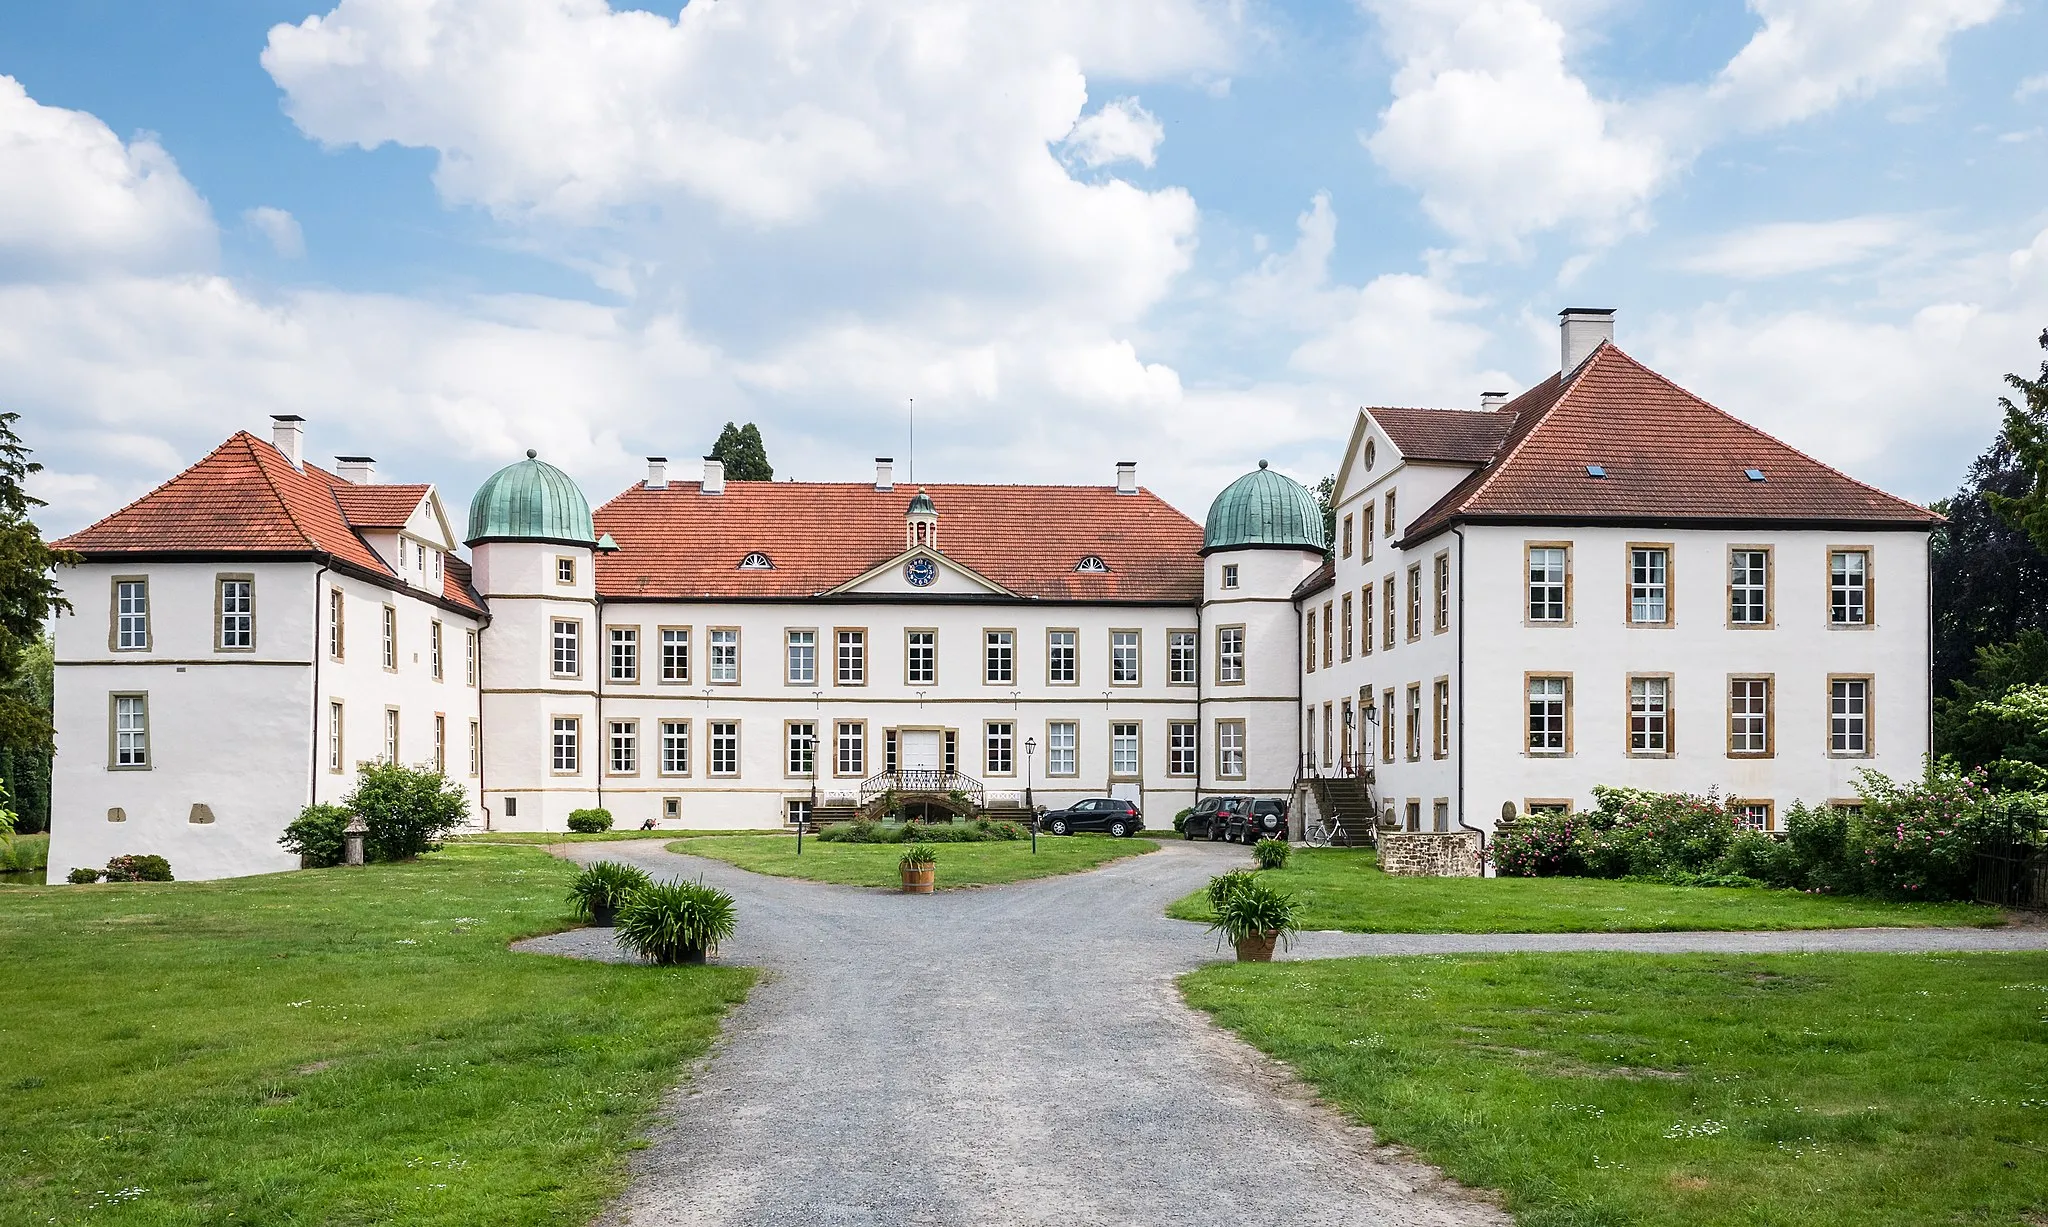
921 522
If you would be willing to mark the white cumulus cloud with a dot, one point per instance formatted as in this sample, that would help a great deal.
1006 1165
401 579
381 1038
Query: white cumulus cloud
1779 249
1120 131
280 228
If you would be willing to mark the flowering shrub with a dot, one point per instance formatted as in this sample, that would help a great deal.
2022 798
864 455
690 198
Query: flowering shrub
142 868
1918 840
1640 834
1544 845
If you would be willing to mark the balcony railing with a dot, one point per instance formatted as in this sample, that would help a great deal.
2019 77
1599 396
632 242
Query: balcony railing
1352 766
926 781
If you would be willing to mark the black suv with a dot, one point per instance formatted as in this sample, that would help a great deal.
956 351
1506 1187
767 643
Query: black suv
1265 818
1211 816
1118 817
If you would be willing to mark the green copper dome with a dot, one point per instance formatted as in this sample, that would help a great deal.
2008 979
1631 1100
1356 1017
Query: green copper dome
1264 510
530 501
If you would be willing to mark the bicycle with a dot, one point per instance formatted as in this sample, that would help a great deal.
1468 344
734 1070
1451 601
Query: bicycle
1321 834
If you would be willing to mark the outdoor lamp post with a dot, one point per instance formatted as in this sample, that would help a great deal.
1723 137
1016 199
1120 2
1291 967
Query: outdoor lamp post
1030 748
1350 722
811 751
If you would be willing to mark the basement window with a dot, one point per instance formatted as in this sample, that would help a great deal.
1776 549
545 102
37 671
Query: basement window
1753 474
756 561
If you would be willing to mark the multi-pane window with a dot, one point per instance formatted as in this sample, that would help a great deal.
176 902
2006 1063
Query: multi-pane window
1123 749
1649 714
391 735
1443 593
334 743
675 747
1649 585
1123 658
434 649
1344 623
725 747
1230 575
469 656
1329 634
625 653
796 811
625 747
1749 716
1387 612
1365 620
441 743
1387 729
1309 732
1390 515
1062 743
336 642
476 747
1182 658
1347 536
390 637
1415 601
1365 547
999 744
1849 715
568 634
237 601
1230 749
1546 715
1441 726
1546 583
725 655
567 752
1414 721
851 748
921 657
1230 655
1309 639
675 653
999 657
1183 742
1059 657
1442 814
1755 815
565 570
803 658
1849 587
801 738
853 658
131 730
1749 587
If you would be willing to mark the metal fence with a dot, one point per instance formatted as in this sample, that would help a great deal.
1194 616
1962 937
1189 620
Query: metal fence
2011 866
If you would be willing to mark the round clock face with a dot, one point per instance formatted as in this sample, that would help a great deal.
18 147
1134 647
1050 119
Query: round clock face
921 572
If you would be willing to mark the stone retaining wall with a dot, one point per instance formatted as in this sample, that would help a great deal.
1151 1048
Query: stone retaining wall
1430 854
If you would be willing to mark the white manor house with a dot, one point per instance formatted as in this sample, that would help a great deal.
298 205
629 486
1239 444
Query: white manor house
1604 580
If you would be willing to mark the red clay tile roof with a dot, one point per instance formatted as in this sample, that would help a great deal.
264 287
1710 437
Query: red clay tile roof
379 506
244 497
1462 436
1669 457
679 543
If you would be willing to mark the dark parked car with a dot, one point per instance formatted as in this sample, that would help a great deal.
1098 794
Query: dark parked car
1110 814
1210 816
1265 818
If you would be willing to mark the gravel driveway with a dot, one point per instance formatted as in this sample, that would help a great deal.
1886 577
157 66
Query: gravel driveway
1018 1054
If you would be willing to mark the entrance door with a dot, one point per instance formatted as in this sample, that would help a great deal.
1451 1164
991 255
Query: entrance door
921 750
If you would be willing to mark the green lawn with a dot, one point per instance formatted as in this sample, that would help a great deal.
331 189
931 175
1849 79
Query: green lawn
875 864
1592 1090
571 837
332 1046
1344 889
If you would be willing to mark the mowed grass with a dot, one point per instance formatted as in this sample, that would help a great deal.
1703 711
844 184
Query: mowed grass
1840 1090
1344 889
337 1046
594 837
983 864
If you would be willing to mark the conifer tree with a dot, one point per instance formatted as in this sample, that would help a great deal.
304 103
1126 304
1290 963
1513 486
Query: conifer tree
745 456
28 592
2026 431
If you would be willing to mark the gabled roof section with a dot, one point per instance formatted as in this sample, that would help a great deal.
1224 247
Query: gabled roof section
245 498
1452 436
681 544
388 507
1668 456
867 581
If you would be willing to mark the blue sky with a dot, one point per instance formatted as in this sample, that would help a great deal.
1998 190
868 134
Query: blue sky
1194 234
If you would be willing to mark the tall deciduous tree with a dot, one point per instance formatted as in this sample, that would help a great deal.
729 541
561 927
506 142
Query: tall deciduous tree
2026 431
28 592
1326 494
745 456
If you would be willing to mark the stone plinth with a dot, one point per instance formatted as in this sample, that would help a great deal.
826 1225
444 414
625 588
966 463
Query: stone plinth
1430 854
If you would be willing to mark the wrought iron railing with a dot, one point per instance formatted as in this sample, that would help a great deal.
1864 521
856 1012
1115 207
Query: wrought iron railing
1344 766
921 780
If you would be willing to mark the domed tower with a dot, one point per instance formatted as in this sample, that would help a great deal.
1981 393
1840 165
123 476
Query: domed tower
1264 535
532 546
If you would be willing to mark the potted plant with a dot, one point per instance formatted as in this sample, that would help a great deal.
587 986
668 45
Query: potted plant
677 922
1255 917
920 869
1271 853
602 888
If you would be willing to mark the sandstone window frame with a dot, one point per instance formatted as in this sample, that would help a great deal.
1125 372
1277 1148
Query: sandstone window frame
1657 584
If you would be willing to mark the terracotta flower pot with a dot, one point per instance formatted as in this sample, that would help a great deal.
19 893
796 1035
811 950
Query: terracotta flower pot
920 881
1257 947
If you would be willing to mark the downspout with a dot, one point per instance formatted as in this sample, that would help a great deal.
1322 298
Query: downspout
1201 687
601 662
1459 533
482 754
319 650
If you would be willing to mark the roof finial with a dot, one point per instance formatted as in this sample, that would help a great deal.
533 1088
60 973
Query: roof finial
531 454
1262 464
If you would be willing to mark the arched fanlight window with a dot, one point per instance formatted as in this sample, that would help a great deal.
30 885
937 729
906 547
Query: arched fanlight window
1092 565
756 561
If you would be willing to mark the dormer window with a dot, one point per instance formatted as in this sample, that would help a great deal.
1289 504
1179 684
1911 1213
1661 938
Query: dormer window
1092 565
756 561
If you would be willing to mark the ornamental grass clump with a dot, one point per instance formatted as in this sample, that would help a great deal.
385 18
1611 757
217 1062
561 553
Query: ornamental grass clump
1257 915
603 887
1224 885
1271 853
676 922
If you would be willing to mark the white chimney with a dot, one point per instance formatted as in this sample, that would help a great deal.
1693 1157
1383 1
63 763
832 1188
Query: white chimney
657 472
288 436
357 470
714 477
1580 331
885 472
1126 477
1492 400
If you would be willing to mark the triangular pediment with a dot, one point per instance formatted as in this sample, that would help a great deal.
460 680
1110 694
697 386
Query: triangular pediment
899 576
